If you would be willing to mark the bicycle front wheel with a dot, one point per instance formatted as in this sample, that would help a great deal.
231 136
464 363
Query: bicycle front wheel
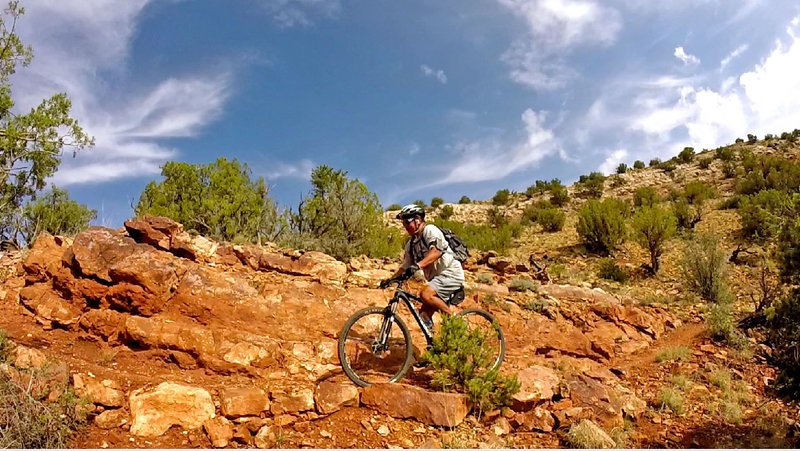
493 334
365 357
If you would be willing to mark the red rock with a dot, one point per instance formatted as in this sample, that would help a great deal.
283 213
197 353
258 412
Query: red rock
332 396
155 410
44 258
538 419
406 401
107 324
537 383
49 306
243 401
219 430
602 400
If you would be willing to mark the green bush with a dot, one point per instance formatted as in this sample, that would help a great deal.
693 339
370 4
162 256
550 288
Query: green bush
705 163
460 357
769 172
697 192
559 196
686 155
446 212
729 170
670 354
645 196
521 285
55 213
751 139
668 166
705 268
485 278
655 162
593 184
763 213
483 237
608 269
721 326
541 186
638 164
496 217
501 197
394 207
652 227
436 202
531 213
622 168
725 154
464 200
784 338
788 254
687 215
601 224
669 398
420 203
552 219
616 181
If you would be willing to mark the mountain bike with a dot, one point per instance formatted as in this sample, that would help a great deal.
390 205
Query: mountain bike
375 344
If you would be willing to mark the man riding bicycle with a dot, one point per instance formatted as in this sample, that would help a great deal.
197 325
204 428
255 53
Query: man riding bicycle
428 250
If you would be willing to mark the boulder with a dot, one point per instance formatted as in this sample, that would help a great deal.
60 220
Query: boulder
406 401
601 399
538 419
368 277
44 258
155 410
537 383
110 419
243 401
28 358
266 438
108 324
331 396
219 430
98 249
299 399
106 392
48 305
320 266
166 334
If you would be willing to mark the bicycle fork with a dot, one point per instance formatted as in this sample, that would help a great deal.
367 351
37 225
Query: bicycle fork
381 343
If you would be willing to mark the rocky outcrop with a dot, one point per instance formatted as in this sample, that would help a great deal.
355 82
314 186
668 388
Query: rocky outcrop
537 383
155 410
406 401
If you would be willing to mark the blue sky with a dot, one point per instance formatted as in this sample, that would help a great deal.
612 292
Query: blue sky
415 98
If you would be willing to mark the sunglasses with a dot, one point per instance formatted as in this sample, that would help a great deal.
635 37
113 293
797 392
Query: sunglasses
408 221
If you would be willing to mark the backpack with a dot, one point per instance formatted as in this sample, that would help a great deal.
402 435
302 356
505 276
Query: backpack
457 245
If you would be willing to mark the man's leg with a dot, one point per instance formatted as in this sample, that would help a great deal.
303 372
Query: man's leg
432 302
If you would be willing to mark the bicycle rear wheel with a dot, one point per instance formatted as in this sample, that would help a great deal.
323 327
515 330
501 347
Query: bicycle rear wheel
364 358
490 328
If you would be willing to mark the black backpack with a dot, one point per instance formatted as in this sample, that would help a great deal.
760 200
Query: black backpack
457 245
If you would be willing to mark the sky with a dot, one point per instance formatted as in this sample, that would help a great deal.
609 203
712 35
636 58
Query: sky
416 99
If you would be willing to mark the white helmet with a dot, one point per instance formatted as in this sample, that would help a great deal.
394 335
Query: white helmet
411 210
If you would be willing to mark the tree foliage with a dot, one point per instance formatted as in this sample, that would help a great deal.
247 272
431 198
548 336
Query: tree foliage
602 224
340 216
219 200
31 144
55 213
652 227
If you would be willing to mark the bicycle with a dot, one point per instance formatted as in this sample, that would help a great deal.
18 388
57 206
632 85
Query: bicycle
378 356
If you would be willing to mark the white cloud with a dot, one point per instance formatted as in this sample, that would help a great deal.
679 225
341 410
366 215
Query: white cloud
613 160
493 158
79 47
554 29
685 57
739 50
291 13
414 149
438 74
299 170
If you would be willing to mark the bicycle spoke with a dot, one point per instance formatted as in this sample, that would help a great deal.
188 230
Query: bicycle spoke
369 360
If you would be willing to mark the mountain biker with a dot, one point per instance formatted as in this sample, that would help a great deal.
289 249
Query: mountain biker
428 250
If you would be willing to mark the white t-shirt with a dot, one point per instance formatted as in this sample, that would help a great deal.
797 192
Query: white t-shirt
417 247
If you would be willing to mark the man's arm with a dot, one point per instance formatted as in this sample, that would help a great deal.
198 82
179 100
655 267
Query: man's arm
432 255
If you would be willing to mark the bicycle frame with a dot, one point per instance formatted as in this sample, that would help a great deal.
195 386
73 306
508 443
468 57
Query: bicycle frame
391 310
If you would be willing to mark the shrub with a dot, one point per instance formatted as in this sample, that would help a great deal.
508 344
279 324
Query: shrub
762 213
697 192
670 354
638 164
521 285
485 278
587 435
501 197
54 213
622 168
446 212
608 269
496 217
769 172
593 184
532 212
655 162
464 200
788 254
671 399
552 219
601 224
394 207
483 237
645 196
420 203
652 227
668 166
687 215
460 357
704 266
617 181
725 154
784 337
751 139
559 196
537 306
705 163
686 155
436 202
720 325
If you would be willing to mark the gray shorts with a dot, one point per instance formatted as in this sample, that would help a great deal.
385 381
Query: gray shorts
445 286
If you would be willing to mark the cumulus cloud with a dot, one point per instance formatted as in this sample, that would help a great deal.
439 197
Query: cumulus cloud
414 149
437 74
127 126
493 158
554 28
687 59
613 160
292 13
